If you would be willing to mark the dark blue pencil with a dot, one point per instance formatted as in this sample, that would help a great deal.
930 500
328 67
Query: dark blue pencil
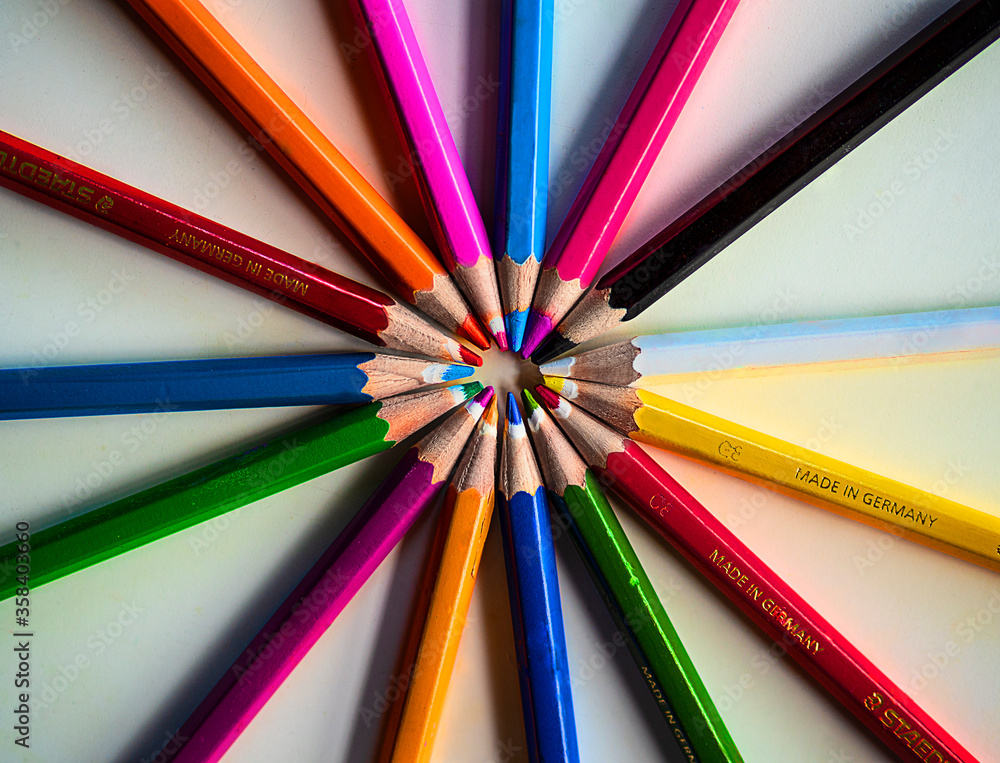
211 383
539 639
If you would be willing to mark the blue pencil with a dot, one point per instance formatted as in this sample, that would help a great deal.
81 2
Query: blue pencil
543 667
205 384
522 155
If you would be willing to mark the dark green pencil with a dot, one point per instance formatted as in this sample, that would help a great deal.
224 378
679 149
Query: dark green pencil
692 717
207 492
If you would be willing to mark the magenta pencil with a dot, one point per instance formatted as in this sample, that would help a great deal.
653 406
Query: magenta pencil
326 589
423 130
625 161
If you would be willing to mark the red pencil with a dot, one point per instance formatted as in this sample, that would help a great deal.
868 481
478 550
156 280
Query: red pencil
222 252
756 589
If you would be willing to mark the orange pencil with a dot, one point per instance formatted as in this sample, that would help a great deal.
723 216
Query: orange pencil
311 159
467 509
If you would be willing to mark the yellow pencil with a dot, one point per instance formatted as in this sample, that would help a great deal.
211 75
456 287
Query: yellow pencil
469 501
812 477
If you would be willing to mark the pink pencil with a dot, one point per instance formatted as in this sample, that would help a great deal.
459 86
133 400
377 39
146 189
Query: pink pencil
444 187
625 161
326 589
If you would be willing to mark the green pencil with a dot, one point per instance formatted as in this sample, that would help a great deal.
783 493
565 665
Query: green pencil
260 471
694 721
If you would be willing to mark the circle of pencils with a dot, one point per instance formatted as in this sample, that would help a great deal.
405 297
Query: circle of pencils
582 427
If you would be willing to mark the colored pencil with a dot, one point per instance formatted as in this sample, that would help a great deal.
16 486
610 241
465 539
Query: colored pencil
825 654
465 517
230 483
311 159
433 157
523 116
629 595
222 252
533 588
625 160
848 490
831 345
326 589
210 383
773 177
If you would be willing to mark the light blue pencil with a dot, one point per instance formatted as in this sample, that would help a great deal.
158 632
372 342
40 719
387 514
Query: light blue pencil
786 347
522 155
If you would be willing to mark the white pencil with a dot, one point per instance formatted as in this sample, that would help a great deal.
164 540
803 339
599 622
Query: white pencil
789 347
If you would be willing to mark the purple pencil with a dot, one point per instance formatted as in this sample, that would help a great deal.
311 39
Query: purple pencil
423 130
326 589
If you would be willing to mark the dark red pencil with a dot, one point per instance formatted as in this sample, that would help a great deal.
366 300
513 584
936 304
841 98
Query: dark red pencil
222 252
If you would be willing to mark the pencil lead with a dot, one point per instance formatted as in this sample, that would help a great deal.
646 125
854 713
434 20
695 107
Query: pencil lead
470 357
562 367
450 372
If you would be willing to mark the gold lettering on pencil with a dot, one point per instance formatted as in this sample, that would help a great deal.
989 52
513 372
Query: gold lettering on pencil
65 186
893 719
32 169
793 629
104 204
660 503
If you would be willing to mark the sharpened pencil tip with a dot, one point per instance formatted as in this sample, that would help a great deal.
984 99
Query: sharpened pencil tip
498 328
554 383
530 404
470 357
562 367
555 344
472 331
467 390
454 371
513 413
501 337
549 398
478 403
539 327
516 322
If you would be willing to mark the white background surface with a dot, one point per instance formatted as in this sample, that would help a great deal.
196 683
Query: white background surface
156 627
